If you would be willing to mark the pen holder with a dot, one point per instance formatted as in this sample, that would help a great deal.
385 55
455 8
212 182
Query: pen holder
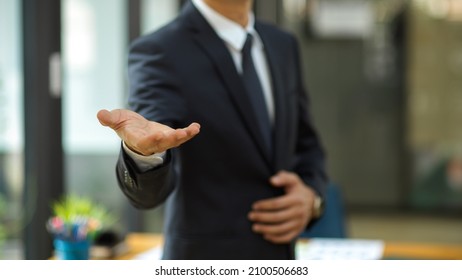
72 250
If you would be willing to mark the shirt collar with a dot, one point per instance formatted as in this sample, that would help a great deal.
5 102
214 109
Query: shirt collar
229 31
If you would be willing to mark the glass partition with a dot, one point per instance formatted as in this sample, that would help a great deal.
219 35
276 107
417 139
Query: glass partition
354 60
11 130
155 13
94 54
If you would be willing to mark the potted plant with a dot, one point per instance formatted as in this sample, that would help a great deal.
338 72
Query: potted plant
75 223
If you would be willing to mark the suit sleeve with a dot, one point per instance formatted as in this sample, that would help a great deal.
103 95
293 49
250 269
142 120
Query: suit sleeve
144 190
155 94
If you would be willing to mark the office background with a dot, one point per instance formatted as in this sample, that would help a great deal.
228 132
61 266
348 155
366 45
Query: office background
384 78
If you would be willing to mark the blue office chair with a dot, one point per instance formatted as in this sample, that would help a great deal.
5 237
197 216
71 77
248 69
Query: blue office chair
332 224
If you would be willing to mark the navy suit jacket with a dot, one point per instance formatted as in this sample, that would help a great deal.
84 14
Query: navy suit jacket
184 73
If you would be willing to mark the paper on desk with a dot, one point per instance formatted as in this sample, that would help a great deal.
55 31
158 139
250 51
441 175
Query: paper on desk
339 249
152 254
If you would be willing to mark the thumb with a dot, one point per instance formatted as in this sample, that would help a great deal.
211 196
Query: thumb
105 118
284 179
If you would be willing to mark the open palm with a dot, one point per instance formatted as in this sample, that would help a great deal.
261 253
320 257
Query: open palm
143 136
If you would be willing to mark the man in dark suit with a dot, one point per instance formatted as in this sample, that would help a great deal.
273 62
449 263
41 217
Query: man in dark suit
253 178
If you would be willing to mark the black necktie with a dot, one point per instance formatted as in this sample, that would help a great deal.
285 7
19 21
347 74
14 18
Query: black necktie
255 92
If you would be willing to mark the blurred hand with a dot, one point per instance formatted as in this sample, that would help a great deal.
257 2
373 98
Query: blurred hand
281 219
142 136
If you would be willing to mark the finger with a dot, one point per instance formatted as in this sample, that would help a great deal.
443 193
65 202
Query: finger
164 140
104 117
276 229
284 178
179 136
172 139
184 140
276 203
282 238
193 129
113 119
183 133
189 133
175 138
275 216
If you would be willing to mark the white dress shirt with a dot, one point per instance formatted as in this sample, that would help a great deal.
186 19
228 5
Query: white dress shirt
234 36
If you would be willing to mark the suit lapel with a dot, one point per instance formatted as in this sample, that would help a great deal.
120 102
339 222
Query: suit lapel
217 51
280 133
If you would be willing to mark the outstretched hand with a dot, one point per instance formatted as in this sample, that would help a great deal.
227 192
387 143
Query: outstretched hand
143 136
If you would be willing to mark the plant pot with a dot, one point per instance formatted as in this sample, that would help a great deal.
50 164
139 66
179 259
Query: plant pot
72 250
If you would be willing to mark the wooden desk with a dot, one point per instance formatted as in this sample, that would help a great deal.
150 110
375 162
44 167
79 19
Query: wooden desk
138 243
405 250
141 242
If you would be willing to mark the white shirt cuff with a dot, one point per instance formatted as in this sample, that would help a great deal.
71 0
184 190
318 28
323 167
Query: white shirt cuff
144 163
